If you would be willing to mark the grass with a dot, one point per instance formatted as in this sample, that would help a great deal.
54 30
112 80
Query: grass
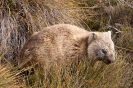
20 19
82 75
8 78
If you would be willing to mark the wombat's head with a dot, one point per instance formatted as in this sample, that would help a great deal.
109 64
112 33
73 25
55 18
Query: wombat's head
101 47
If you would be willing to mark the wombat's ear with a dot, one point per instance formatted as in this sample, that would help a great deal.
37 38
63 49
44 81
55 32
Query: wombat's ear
109 32
92 37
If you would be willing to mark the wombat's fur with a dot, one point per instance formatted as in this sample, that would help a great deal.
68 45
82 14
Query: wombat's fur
62 42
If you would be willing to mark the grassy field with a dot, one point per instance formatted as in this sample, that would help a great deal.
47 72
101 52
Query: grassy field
19 19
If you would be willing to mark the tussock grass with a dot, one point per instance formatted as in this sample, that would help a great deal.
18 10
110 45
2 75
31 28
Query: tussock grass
82 75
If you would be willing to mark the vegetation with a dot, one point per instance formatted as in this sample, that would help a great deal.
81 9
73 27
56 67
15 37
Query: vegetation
19 19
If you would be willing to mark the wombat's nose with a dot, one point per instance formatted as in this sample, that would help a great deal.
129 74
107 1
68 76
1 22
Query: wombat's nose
108 61
104 51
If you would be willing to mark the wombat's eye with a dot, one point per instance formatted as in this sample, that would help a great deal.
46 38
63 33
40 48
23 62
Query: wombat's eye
104 51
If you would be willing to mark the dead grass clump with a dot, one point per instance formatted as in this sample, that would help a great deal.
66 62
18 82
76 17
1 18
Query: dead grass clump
9 78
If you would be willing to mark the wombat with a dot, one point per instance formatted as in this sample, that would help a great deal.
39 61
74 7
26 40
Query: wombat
63 42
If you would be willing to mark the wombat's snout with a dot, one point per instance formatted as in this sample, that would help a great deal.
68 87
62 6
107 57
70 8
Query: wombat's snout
109 59
106 57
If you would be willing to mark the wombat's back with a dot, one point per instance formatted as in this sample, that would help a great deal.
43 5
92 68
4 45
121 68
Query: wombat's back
55 43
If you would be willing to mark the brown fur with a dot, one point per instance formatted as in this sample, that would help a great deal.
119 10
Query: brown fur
62 42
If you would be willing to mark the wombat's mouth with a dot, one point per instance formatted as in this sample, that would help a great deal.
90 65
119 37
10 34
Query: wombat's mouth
106 60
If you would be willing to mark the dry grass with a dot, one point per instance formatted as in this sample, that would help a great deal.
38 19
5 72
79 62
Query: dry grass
9 78
19 19
83 75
